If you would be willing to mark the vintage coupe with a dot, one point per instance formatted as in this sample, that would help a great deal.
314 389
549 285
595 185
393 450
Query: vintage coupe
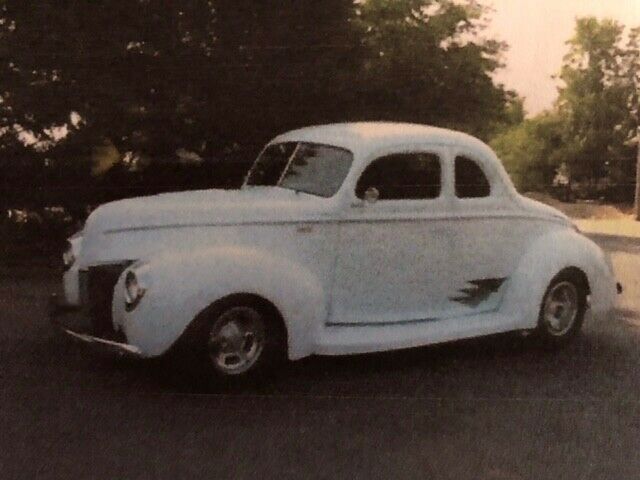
344 239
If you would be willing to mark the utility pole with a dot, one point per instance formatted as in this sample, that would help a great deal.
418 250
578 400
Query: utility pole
637 204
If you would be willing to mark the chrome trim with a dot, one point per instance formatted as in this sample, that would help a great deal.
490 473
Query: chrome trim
383 324
58 308
119 347
387 219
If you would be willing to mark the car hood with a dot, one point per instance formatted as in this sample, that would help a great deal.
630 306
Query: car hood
205 207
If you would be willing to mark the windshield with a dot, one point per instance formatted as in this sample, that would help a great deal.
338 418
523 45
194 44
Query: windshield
303 167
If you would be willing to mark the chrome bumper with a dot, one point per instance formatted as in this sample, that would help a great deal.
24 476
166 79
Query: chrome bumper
58 309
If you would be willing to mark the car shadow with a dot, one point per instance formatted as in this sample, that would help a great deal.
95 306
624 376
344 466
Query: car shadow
374 374
481 367
509 360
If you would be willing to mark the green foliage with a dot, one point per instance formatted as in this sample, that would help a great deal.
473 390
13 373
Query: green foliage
594 102
591 133
281 66
217 78
427 63
532 151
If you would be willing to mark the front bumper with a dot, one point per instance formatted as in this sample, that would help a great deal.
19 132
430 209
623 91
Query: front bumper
72 321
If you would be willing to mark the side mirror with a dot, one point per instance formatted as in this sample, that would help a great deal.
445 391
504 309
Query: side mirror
371 195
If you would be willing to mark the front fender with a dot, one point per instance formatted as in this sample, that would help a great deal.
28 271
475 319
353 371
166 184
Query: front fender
547 256
181 285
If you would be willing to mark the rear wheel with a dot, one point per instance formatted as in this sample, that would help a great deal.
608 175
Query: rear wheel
563 309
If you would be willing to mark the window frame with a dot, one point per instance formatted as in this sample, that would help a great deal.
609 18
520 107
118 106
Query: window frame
298 144
434 150
483 168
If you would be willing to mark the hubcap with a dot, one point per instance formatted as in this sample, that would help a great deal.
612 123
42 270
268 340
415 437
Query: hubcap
560 308
236 340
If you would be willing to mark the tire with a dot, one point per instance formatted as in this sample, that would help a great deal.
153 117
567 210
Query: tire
562 309
240 339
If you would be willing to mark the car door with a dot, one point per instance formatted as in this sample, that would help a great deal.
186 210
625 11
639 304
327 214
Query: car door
488 238
393 262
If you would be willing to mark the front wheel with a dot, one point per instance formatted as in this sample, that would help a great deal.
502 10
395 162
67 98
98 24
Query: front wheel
562 310
236 340
242 340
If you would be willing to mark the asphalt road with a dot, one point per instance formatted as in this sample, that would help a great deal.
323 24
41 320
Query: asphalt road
484 409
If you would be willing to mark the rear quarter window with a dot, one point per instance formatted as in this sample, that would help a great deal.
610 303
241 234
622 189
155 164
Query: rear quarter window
470 179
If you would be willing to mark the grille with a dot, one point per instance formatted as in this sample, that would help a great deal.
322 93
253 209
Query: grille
96 294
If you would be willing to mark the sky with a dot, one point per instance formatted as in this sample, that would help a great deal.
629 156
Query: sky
536 31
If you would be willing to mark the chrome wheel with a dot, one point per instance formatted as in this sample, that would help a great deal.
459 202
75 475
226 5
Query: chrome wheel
236 340
560 308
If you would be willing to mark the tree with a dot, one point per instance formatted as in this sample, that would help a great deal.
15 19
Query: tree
146 79
283 65
121 65
154 77
593 129
533 151
593 103
427 63
631 65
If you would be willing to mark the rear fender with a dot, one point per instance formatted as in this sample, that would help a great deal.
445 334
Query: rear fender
547 256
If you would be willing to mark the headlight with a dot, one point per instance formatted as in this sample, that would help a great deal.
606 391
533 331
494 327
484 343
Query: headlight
68 257
133 290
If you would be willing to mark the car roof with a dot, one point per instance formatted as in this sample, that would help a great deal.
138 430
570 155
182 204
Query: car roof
366 137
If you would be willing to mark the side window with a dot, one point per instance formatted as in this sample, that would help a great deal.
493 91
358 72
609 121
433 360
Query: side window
471 182
403 176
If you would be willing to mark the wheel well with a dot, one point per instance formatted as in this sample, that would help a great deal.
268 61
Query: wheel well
195 329
579 275
261 303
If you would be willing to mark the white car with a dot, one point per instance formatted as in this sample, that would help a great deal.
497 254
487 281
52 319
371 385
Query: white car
344 239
